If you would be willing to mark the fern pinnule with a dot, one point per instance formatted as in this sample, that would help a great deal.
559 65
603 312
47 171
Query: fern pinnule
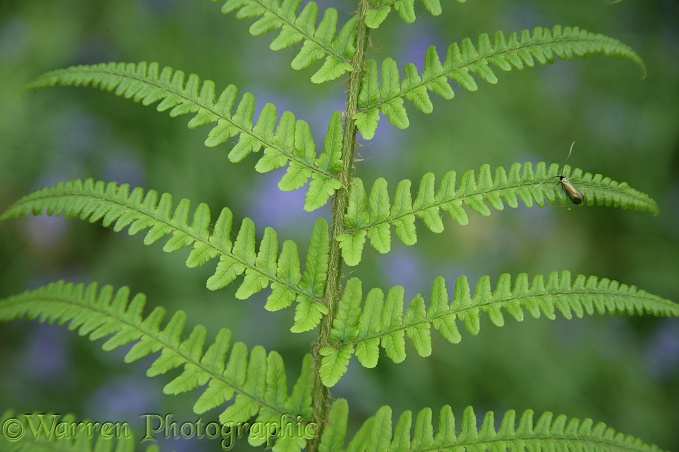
335 430
464 61
548 432
361 330
289 143
405 8
371 217
319 42
115 205
258 382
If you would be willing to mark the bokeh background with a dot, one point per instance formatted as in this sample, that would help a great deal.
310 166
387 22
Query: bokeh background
621 370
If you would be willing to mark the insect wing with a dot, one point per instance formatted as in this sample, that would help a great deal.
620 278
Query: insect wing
571 190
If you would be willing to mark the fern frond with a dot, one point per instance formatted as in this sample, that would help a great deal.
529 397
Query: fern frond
335 429
319 42
549 432
517 51
406 10
257 381
373 216
115 205
384 322
289 143
65 433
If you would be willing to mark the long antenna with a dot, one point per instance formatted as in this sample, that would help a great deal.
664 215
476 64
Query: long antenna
569 153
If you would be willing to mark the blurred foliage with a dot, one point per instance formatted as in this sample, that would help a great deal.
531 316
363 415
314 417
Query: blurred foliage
622 371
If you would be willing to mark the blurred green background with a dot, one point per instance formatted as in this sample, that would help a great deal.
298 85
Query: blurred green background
621 370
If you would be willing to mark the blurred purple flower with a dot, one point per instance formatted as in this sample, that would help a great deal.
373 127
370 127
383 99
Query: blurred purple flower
663 350
273 206
124 167
123 398
404 268
414 42
45 357
46 231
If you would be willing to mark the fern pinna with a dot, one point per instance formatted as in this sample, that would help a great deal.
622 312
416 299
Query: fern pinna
350 320
288 143
257 381
360 328
373 216
548 433
115 205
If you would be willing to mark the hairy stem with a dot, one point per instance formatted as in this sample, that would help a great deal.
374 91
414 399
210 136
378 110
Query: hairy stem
320 393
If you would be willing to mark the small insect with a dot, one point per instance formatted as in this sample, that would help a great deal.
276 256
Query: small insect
571 190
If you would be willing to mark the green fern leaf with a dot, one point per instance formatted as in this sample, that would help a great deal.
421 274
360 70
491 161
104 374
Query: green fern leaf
288 271
51 431
316 266
406 9
319 192
392 109
374 434
115 205
372 217
309 312
375 17
367 351
419 332
357 219
434 6
390 320
299 172
380 237
547 433
275 380
345 326
300 399
257 382
308 315
334 363
322 188
319 42
289 143
335 429
361 330
464 61
401 439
